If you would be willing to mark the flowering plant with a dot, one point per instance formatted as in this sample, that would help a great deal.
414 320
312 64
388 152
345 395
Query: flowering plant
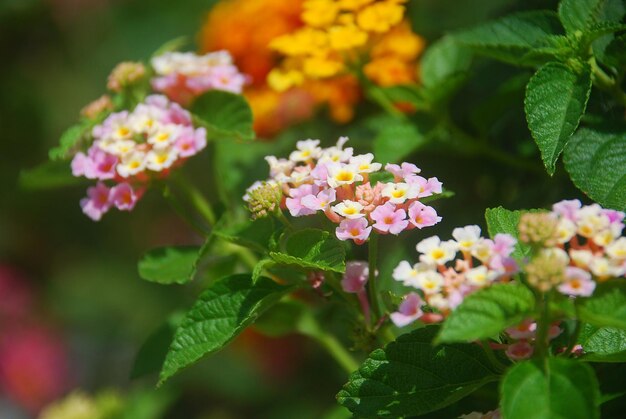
533 303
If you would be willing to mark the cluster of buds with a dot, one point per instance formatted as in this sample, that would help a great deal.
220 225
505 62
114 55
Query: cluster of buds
443 280
336 35
580 245
125 74
131 148
184 75
337 183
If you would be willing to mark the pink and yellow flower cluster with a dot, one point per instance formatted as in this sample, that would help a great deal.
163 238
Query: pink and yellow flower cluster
184 75
336 182
132 148
588 244
442 279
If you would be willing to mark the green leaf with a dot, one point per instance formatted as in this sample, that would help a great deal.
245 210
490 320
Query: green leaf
581 15
313 249
395 139
152 352
49 175
410 377
169 265
603 28
556 98
614 53
224 115
69 139
603 344
255 234
511 37
500 220
487 312
221 312
566 389
607 306
595 159
443 59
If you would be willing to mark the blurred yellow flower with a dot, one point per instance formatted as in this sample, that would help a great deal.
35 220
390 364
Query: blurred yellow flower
346 37
380 17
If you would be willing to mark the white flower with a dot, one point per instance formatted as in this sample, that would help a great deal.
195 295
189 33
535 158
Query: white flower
306 150
466 237
363 163
581 258
165 136
430 282
566 229
408 274
279 168
617 249
480 276
590 220
342 174
131 164
398 193
349 209
436 252
159 159
604 268
439 302
122 147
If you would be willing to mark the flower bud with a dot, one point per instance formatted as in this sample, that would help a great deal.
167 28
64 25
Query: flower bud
539 228
98 106
547 270
264 199
125 74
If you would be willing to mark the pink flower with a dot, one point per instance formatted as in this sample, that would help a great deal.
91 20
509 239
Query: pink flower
519 350
427 187
112 121
191 142
123 197
567 208
356 276
554 331
388 219
524 330
175 114
97 202
409 310
403 171
103 164
294 203
321 201
81 165
504 265
228 78
421 215
577 283
353 229
504 244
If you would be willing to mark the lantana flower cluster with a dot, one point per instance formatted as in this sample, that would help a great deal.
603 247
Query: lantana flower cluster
132 148
339 33
450 270
577 246
337 183
184 75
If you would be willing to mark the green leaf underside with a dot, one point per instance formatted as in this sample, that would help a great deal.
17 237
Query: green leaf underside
225 115
252 234
595 159
556 98
501 220
169 265
511 37
313 249
411 377
565 390
221 312
443 59
607 306
487 312
577 15
603 344
49 175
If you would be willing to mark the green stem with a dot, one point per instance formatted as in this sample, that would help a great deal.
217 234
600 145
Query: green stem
178 209
492 356
372 286
196 199
281 217
575 335
337 351
607 83
543 326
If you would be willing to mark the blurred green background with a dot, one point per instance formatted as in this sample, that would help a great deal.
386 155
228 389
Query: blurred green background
55 56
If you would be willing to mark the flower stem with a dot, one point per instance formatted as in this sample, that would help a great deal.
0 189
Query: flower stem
337 351
281 217
372 286
492 356
178 209
197 200
575 335
543 326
